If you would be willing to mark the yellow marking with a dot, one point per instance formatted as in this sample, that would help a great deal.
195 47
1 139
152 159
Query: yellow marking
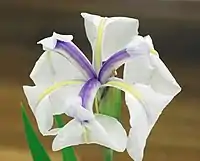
85 135
96 105
130 89
153 51
98 46
57 86
126 88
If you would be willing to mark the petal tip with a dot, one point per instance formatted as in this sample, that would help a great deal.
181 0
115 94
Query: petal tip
65 38
84 14
55 147
48 43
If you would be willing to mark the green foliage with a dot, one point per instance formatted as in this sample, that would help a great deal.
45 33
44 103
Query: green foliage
110 104
36 148
67 153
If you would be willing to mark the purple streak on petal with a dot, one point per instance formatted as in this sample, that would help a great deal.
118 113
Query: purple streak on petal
75 53
114 62
88 92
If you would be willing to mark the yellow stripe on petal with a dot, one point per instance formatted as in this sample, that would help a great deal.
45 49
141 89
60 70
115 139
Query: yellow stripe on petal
57 86
98 46
125 87
85 135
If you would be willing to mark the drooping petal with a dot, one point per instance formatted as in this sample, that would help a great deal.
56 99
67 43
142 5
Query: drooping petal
103 130
42 112
88 93
108 35
145 106
44 104
137 49
69 51
139 128
115 131
52 67
152 101
69 135
44 118
143 117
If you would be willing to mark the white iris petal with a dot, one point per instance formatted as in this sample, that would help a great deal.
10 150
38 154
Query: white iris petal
157 87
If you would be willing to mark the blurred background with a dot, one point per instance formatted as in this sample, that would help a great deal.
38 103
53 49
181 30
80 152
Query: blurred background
173 25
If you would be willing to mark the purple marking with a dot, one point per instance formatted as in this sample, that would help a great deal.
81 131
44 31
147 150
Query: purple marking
76 54
114 62
87 91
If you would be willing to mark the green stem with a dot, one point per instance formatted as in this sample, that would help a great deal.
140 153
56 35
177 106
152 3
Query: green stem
110 104
108 154
67 153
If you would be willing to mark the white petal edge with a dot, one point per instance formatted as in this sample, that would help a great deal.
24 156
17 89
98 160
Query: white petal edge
162 80
103 130
149 41
32 93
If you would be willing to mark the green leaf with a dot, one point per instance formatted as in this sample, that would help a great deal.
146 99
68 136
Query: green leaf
67 153
37 150
110 104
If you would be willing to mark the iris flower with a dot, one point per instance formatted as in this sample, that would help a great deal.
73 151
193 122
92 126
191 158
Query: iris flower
66 82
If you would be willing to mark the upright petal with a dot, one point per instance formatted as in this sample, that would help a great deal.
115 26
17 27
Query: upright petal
68 50
108 35
137 50
102 130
